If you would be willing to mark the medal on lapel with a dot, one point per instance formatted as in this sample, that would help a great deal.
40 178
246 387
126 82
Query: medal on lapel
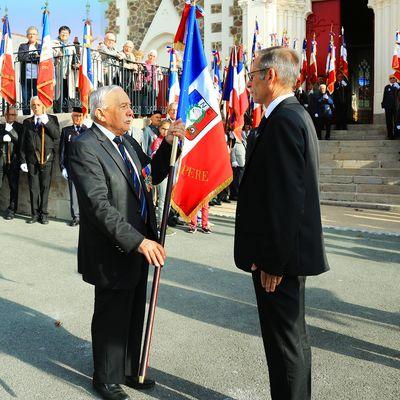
146 173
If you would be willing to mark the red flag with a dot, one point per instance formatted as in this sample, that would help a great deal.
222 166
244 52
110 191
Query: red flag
8 89
257 114
45 80
396 57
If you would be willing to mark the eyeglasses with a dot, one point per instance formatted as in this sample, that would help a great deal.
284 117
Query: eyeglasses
251 74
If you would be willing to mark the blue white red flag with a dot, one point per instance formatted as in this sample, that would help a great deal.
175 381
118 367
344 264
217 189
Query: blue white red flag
331 67
235 92
343 64
8 88
312 69
86 68
45 80
215 67
173 78
205 167
304 65
256 41
396 56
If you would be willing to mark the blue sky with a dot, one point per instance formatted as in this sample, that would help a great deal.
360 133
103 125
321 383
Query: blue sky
24 13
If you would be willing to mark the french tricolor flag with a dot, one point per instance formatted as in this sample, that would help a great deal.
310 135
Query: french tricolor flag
331 67
343 64
45 80
205 167
304 65
396 56
8 88
86 68
173 79
312 70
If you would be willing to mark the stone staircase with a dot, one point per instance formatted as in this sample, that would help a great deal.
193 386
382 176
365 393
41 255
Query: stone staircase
360 168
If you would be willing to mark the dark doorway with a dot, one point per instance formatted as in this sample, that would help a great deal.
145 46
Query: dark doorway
358 22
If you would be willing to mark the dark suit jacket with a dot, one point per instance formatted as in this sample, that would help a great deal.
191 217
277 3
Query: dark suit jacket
111 227
68 134
342 96
389 98
16 135
278 220
31 142
24 56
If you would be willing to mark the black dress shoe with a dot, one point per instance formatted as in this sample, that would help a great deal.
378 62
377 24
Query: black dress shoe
74 222
133 382
33 219
9 215
44 220
110 391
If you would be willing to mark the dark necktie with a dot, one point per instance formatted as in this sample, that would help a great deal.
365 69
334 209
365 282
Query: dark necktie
135 178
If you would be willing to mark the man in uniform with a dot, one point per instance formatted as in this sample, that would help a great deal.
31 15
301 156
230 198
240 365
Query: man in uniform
68 134
389 105
40 137
10 139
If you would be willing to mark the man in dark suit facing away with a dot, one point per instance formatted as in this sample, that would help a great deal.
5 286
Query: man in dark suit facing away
40 139
117 235
68 134
278 235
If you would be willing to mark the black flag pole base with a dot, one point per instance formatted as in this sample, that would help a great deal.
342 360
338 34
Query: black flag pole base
157 270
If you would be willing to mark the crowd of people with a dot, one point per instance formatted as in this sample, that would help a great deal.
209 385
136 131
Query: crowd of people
124 67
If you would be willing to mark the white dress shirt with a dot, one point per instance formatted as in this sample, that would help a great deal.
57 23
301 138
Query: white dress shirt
110 137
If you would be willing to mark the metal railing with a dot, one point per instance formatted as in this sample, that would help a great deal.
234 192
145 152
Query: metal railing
146 85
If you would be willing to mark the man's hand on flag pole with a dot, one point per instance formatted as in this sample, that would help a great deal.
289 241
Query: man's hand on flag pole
153 251
268 282
177 129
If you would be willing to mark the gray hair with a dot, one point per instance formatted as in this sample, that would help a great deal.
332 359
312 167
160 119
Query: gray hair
153 52
284 61
32 28
34 98
98 97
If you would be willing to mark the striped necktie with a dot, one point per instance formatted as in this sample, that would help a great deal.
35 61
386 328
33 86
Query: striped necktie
135 178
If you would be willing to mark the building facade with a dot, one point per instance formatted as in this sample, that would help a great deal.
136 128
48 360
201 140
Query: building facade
369 26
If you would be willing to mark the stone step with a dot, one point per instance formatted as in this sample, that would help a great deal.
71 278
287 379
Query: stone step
362 204
361 197
356 136
360 164
358 156
327 144
354 149
360 188
356 127
370 180
386 172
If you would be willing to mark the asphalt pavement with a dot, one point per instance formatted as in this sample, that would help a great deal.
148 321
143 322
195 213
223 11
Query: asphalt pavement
207 341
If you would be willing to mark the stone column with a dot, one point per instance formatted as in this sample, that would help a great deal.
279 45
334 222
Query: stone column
387 17
122 23
265 12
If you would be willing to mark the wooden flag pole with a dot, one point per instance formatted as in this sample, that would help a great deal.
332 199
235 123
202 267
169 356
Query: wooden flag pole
157 270
42 147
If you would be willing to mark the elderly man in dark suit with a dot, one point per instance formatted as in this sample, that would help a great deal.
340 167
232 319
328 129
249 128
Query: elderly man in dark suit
389 105
279 190
40 139
10 139
68 134
117 236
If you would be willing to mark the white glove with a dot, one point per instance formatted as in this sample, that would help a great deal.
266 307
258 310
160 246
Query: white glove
8 127
235 164
44 119
316 115
398 127
6 138
64 173
24 167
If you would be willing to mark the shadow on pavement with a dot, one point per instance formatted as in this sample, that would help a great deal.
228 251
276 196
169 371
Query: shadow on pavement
34 339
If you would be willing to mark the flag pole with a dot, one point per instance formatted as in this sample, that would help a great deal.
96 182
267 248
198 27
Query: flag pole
157 270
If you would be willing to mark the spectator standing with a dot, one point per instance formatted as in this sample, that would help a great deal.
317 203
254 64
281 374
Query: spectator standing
28 56
130 67
110 60
342 100
66 63
313 106
151 132
325 112
389 105
301 95
152 74
10 139
172 110
238 157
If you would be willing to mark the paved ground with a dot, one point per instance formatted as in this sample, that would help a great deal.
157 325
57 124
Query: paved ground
359 219
207 342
